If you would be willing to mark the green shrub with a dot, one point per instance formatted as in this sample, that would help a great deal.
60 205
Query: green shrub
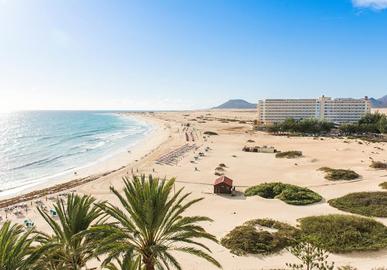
347 267
344 233
383 185
310 256
303 126
363 203
378 165
288 154
339 174
210 133
370 123
290 194
249 238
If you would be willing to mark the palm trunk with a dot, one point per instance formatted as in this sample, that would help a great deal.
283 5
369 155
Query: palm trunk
149 265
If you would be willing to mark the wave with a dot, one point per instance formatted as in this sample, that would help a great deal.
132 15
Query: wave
44 161
74 151
88 147
48 137
37 162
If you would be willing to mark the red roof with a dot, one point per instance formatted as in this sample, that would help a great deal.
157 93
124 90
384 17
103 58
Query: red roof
223 179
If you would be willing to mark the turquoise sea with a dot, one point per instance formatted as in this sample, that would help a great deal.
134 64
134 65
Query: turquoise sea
39 145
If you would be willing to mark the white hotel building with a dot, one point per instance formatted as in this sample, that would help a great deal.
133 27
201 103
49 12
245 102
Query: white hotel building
339 110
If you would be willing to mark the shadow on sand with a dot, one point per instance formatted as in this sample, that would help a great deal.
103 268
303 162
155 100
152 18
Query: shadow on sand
237 195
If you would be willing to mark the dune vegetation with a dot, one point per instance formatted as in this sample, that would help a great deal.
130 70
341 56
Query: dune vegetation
383 185
332 233
288 193
289 154
260 236
210 133
339 174
378 165
363 203
344 233
310 257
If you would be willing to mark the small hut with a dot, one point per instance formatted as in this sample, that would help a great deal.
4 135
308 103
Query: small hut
223 185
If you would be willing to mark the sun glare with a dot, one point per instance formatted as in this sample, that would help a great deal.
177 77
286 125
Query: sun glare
5 108
10 102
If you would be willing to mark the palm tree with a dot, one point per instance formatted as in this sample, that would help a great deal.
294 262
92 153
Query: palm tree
126 263
69 247
151 224
16 247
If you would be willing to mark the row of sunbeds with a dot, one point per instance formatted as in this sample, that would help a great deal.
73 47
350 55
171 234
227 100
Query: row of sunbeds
173 157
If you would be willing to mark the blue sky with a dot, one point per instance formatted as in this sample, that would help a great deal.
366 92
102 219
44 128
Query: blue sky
101 54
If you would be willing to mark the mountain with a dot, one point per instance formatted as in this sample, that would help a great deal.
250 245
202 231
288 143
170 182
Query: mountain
379 103
236 104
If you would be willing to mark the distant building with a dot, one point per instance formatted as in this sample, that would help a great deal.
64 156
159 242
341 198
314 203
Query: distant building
338 110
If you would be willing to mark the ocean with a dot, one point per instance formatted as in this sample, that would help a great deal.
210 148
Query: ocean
38 146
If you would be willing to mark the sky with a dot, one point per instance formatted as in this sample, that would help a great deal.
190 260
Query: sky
191 54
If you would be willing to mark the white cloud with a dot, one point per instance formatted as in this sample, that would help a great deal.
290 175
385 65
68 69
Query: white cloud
374 4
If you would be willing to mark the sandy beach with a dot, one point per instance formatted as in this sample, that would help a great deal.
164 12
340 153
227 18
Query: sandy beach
246 169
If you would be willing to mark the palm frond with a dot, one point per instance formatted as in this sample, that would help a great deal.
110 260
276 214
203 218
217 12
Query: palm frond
151 224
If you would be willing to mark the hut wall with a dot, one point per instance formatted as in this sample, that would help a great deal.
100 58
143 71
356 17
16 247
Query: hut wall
222 188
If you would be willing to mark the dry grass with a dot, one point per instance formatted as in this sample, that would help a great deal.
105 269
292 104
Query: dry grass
339 174
378 165
383 185
211 133
289 154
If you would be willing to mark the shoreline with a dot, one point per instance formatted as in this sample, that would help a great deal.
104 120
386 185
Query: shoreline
104 166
